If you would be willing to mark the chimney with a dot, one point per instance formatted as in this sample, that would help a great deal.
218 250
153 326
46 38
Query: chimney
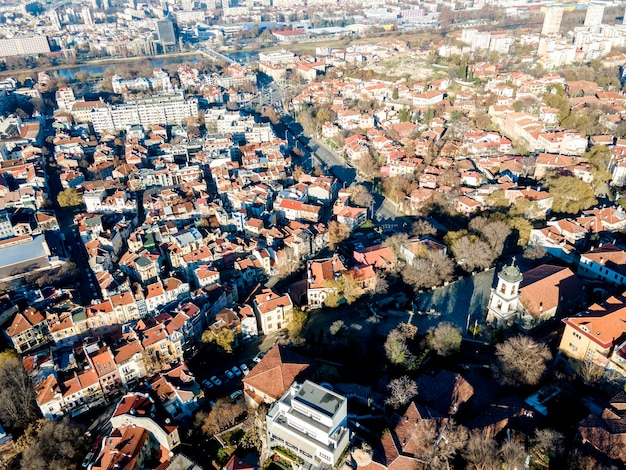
540 307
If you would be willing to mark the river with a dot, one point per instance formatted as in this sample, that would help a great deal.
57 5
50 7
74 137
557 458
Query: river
98 68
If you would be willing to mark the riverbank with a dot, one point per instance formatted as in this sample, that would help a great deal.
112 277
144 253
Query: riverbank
98 63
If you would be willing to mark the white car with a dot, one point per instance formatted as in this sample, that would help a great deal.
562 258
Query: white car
229 374
236 371
207 383
244 369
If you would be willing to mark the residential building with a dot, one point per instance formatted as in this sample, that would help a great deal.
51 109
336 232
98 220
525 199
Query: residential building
274 374
273 311
319 274
310 421
605 264
552 20
28 330
606 433
596 336
138 409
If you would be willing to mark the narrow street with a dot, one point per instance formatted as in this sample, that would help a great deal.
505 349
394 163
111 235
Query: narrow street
74 247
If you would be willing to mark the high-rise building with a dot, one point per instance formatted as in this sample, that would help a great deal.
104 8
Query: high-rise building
54 19
594 15
552 20
166 29
188 5
86 14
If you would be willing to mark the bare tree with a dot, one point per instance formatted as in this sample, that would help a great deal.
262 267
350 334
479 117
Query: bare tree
254 435
450 441
496 233
360 196
223 415
422 228
56 445
472 254
401 391
445 338
481 453
513 455
336 234
18 407
381 286
521 360
547 444
534 252
439 442
590 372
395 242
336 327
431 271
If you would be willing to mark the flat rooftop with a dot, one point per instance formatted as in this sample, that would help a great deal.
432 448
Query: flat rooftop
320 398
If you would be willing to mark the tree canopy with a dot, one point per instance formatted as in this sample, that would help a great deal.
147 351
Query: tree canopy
521 360
571 195
69 197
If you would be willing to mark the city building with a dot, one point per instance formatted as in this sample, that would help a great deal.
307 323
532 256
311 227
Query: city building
166 30
311 421
595 12
24 45
552 20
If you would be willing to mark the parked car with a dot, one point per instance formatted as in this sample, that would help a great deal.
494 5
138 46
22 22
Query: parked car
229 374
244 369
236 371
216 381
258 357
207 383
235 395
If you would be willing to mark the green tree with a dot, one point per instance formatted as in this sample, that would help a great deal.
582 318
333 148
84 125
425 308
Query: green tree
498 201
522 227
296 322
344 289
394 94
336 234
69 197
397 348
571 195
404 115
223 337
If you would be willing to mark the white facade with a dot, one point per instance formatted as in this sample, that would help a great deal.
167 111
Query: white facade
552 20
167 109
311 421
504 298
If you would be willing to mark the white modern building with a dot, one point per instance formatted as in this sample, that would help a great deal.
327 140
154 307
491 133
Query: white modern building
552 20
595 12
164 109
310 421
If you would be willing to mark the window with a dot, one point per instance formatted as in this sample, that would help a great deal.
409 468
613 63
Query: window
573 347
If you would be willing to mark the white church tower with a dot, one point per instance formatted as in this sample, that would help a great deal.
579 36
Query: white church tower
505 297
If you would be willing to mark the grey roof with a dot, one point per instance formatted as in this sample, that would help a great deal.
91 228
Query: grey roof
26 251
319 398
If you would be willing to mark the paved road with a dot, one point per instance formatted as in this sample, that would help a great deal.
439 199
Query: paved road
65 217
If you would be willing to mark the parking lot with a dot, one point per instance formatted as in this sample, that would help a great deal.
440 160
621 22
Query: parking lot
219 374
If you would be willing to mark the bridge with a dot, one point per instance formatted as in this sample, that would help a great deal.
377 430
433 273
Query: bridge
214 55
